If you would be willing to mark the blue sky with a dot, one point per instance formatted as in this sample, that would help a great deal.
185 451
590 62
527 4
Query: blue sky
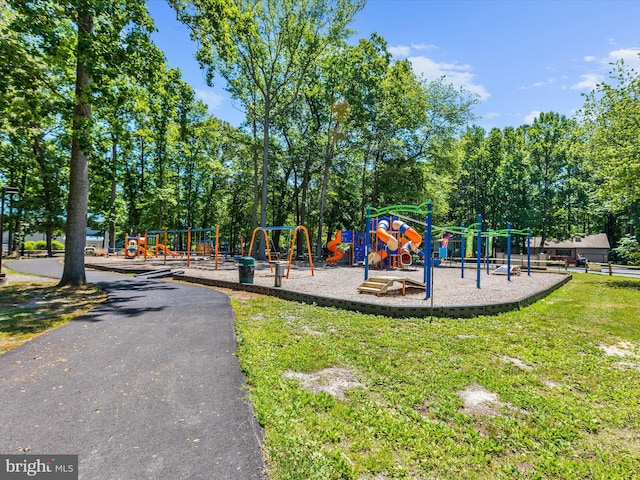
520 57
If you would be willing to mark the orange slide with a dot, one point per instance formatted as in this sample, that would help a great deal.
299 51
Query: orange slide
333 248
165 249
411 239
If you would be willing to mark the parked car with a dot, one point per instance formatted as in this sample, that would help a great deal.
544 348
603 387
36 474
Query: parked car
581 261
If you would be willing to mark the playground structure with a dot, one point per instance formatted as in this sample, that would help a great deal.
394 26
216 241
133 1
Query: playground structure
294 232
389 239
396 242
206 244
352 244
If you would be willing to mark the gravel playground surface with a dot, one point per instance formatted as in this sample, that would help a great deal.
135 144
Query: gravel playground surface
342 282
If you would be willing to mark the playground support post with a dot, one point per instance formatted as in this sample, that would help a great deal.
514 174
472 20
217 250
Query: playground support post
217 244
529 252
427 251
367 239
188 246
462 252
487 253
508 251
165 246
479 259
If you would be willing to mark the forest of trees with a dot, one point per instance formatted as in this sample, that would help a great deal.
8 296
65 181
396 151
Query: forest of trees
97 130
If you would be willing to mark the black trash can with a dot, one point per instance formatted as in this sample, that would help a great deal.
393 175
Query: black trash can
246 269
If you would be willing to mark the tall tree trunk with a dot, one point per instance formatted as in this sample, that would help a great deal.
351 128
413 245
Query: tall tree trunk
256 190
77 204
305 193
265 175
323 196
46 187
112 198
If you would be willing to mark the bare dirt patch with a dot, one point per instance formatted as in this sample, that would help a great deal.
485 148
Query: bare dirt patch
310 331
620 349
517 362
480 401
334 381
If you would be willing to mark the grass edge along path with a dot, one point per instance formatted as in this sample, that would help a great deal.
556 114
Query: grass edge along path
30 308
550 391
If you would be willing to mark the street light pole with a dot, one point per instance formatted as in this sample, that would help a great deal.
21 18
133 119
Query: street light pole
10 191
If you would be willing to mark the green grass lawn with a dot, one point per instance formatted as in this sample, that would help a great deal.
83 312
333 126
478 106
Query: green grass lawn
28 309
563 408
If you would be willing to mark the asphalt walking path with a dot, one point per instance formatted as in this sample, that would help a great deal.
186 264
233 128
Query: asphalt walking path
146 386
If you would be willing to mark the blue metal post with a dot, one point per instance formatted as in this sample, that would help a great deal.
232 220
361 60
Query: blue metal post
508 251
528 251
462 252
479 259
487 253
367 239
427 251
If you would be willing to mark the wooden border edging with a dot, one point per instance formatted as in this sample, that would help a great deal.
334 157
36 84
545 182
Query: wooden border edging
468 311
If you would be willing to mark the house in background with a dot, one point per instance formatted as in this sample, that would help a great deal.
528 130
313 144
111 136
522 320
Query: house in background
594 248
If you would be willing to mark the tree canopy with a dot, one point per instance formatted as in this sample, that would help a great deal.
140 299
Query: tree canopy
90 112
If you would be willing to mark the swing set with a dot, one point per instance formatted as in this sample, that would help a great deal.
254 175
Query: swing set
265 231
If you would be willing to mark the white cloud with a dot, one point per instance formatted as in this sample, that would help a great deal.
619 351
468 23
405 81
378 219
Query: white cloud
212 99
589 82
590 58
531 117
542 83
458 75
423 46
400 51
631 56
491 115
404 51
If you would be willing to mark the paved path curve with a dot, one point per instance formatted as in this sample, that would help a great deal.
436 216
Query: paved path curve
146 386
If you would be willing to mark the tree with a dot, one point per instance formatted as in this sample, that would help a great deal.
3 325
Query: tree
611 117
114 19
276 43
76 229
549 141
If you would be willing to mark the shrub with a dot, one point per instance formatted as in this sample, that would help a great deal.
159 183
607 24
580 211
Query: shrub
42 245
30 245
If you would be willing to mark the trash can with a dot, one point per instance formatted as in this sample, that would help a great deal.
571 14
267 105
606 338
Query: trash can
279 268
246 269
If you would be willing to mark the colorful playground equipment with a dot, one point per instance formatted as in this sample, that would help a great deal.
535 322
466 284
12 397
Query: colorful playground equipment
347 243
137 246
390 240
149 244
397 239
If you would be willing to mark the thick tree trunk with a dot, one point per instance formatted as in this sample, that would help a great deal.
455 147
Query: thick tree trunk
265 177
114 188
256 190
46 188
77 204
323 196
